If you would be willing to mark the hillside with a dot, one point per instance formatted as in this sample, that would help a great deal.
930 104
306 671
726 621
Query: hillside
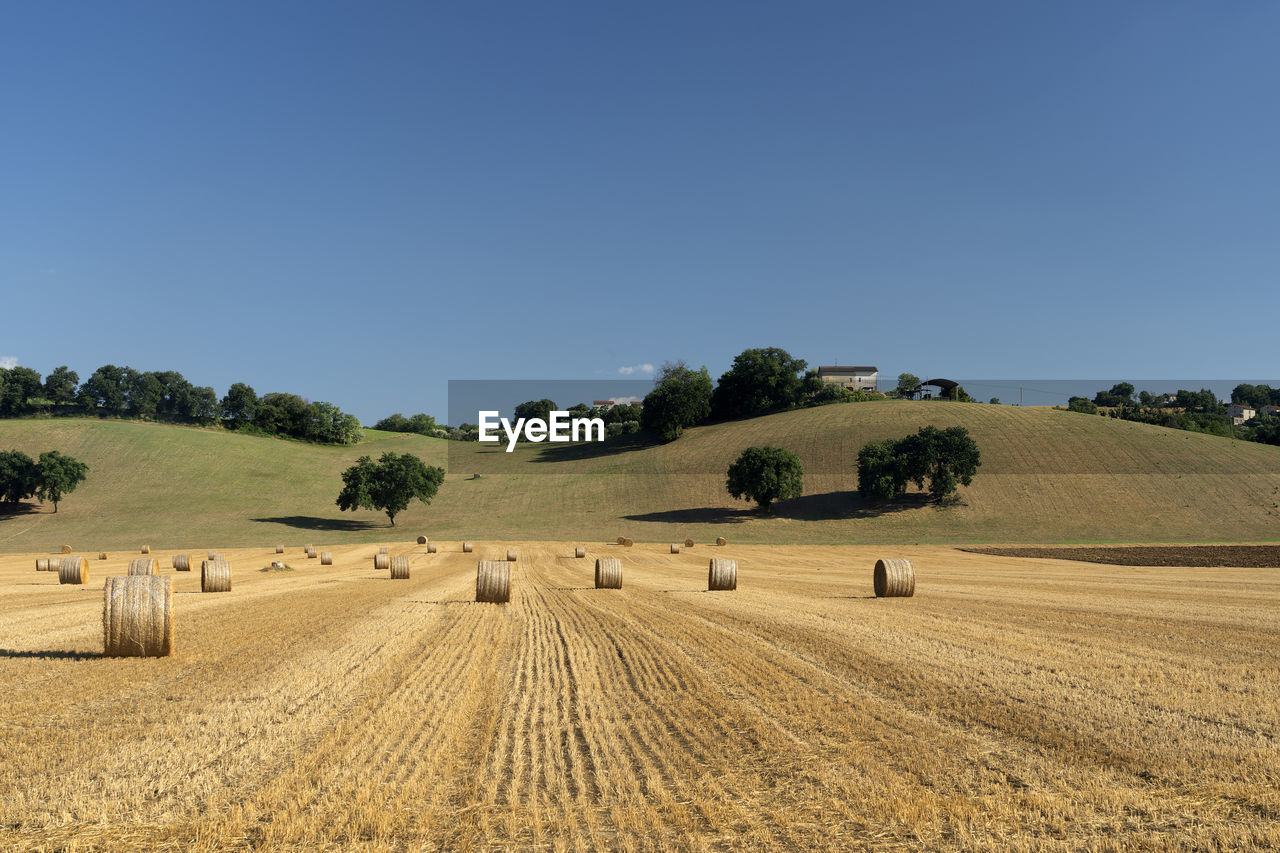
1047 476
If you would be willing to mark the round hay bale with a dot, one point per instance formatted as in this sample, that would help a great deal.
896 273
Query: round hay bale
722 574
493 581
309 550
312 553
73 570
608 573
720 540
675 549
215 576
142 566
45 564
213 555
326 559
381 562
466 547
511 555
66 549
688 543
146 549
137 617
422 540
579 552
182 562
102 555
627 543
279 549
894 578
384 550
431 547
622 540
399 568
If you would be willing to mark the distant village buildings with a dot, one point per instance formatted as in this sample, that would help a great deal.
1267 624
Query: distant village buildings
855 377
1240 413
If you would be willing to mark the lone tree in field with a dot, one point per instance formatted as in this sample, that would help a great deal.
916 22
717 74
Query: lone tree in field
388 484
944 457
58 475
765 475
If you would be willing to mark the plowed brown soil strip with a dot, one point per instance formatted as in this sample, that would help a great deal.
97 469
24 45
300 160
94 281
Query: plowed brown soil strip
1012 704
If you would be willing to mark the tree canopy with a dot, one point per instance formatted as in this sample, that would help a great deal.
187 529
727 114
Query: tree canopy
389 484
758 382
943 458
58 475
681 398
766 474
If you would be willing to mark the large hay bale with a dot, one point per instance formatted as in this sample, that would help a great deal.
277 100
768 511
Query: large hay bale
688 543
431 547
422 540
493 581
73 570
279 549
326 558
511 555
608 573
66 549
381 562
675 549
894 578
466 547
627 543
399 568
720 540
722 575
182 562
102 555
215 576
142 566
579 552
146 549
137 617
47 564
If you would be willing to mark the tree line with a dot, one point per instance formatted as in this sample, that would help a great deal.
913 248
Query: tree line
166 395
1194 411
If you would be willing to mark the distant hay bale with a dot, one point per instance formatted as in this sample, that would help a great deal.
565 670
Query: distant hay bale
215 576
422 540
102 555
142 566
66 549
146 549
895 578
309 550
47 564
622 540
511 555
493 581
384 550
627 543
73 570
466 547
720 540
675 549
399 568
688 543
326 559
431 547
182 562
381 562
579 552
722 575
137 617
213 555
608 573
279 549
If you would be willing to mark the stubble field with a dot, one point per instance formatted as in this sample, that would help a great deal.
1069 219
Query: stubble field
1012 704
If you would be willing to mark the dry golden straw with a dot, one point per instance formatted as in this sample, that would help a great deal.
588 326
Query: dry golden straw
622 540
146 549
894 579
722 575
279 549
66 549
102 555
431 547
720 540
399 568
675 549
627 543
73 570
309 550
381 562
46 564
688 543
511 555
608 573
579 552
215 576
182 562
142 566
422 540
466 547
493 581
326 559
137 617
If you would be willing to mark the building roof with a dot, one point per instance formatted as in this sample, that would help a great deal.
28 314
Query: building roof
847 369
946 384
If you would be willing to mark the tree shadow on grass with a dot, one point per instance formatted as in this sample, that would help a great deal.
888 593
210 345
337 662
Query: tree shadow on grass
50 655
311 522
828 506
597 449
17 510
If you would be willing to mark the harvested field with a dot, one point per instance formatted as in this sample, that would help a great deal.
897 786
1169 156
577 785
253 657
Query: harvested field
1255 556
1011 704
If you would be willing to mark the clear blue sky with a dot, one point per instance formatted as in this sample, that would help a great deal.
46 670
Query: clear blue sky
359 201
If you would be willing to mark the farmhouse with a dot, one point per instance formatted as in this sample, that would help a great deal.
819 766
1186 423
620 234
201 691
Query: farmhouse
852 377
1240 413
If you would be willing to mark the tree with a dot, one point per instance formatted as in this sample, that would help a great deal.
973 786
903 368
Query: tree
1083 405
540 409
20 385
19 476
764 475
681 399
882 472
389 484
995 401
105 389
760 381
240 405
60 386
942 458
907 384
58 475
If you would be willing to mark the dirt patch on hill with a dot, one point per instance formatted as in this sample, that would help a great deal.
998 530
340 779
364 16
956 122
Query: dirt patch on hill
1251 556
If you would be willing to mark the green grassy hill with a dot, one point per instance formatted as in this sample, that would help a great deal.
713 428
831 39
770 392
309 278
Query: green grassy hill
1047 476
